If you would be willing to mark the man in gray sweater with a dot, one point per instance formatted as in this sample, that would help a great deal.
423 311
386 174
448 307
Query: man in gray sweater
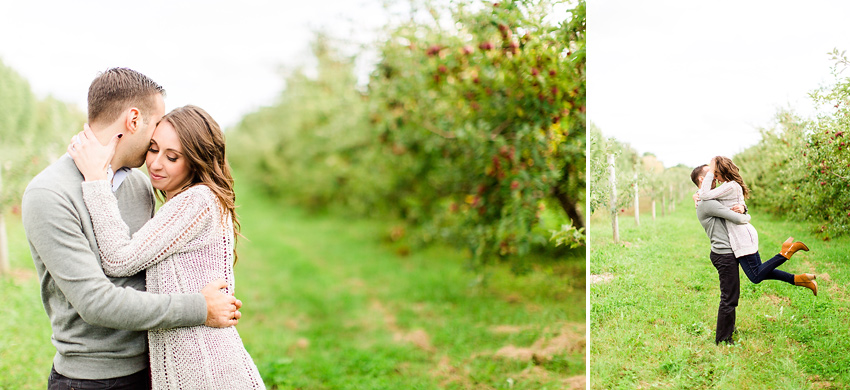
714 216
99 322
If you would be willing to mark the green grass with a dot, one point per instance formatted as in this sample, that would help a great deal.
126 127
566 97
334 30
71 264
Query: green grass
26 353
331 303
652 325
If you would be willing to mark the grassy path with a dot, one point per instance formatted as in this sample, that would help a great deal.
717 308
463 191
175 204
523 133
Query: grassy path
653 319
330 305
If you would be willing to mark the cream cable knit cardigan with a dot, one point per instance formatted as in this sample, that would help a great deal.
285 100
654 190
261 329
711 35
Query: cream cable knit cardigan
743 238
186 245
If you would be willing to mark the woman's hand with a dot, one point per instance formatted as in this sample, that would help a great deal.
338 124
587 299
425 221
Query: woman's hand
92 158
712 165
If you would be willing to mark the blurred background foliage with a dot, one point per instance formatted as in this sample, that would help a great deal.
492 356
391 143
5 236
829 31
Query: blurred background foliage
471 130
33 133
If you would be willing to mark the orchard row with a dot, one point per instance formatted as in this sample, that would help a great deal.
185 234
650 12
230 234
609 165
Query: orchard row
471 129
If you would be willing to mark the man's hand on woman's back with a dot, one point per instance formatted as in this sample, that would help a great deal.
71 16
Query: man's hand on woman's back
222 309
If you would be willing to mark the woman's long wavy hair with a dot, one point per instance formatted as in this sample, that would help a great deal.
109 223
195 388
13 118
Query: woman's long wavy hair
726 170
203 148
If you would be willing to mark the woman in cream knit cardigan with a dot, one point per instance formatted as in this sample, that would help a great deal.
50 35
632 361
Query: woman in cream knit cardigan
190 241
744 238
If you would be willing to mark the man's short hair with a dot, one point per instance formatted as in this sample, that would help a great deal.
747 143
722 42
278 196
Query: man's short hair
118 89
696 173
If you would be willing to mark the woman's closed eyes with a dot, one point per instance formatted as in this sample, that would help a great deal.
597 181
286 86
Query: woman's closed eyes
155 151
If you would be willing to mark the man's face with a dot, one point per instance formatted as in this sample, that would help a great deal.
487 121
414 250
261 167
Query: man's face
139 143
701 177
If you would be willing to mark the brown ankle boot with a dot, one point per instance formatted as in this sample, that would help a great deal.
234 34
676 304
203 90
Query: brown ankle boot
807 281
789 247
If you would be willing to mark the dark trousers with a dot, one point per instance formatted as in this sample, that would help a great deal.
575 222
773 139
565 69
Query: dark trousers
138 381
757 271
730 290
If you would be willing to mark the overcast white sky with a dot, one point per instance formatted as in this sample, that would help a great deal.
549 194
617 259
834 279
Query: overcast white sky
688 80
224 56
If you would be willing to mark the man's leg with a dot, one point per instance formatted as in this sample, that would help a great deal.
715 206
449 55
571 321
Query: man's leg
730 290
138 381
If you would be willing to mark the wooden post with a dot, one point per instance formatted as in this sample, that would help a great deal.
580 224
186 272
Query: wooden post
4 241
637 202
613 181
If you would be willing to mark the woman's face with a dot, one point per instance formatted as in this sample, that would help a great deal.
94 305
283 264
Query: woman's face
166 164
717 166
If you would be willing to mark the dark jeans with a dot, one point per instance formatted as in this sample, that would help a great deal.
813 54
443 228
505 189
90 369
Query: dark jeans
138 381
757 271
730 290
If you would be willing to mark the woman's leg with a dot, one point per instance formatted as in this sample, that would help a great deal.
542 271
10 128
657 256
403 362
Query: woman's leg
757 271
748 264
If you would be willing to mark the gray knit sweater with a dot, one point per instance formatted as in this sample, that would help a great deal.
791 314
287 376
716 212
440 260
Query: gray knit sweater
713 217
98 322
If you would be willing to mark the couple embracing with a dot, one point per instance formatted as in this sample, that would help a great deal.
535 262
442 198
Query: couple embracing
734 241
137 298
